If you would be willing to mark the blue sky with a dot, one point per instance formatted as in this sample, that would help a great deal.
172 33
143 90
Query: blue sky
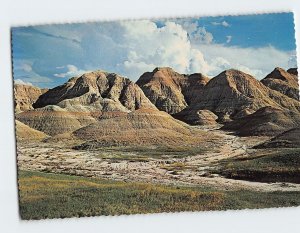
255 30
48 55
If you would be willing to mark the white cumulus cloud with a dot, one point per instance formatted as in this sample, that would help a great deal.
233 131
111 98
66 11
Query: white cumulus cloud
26 67
202 36
228 39
150 46
20 81
223 23
71 71
191 49
255 61
131 48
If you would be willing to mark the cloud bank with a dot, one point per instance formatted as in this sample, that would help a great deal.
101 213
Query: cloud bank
130 48
69 71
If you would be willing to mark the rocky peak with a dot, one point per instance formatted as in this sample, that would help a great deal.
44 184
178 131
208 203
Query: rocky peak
162 87
234 76
198 78
192 87
25 96
233 94
163 69
97 91
293 71
283 81
236 81
281 74
160 74
169 90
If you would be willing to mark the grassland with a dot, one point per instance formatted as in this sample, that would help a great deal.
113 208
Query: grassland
146 153
46 195
266 166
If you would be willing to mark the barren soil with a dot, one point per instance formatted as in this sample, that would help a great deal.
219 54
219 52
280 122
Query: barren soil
128 165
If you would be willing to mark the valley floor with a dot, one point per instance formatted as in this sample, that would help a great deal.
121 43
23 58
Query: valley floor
195 179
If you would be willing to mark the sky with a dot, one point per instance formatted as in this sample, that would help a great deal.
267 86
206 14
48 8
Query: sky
48 55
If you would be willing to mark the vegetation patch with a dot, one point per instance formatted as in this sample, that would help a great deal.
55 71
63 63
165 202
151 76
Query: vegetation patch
46 195
276 166
139 153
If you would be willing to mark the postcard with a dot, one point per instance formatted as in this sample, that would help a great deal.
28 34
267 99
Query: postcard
156 115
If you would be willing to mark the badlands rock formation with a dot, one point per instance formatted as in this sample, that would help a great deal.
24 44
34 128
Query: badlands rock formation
268 121
111 109
54 120
82 100
283 81
200 117
96 91
25 96
105 109
235 93
287 139
140 127
25 133
170 91
293 71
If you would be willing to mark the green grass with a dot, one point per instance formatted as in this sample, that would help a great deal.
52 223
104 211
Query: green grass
46 195
147 153
178 167
266 166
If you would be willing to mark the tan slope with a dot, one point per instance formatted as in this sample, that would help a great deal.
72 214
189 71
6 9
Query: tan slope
25 96
25 133
283 81
233 91
54 120
170 91
141 127
96 91
267 121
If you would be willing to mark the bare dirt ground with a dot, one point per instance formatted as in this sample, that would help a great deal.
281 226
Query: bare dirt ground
190 170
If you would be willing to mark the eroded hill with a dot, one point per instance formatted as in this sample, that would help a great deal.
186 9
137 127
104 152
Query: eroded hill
233 94
267 121
25 96
283 81
96 91
170 91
